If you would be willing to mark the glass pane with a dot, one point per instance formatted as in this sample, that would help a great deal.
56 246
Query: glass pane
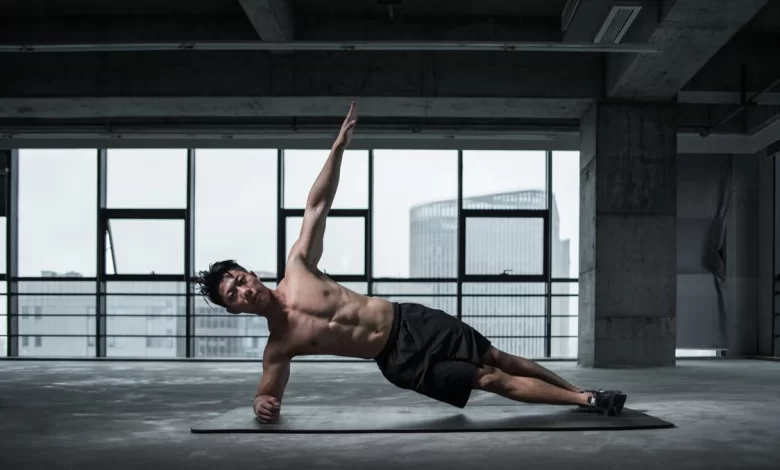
3 259
212 347
147 178
145 247
564 348
301 168
415 231
504 179
344 245
63 315
235 193
569 305
565 288
531 348
504 288
516 327
564 325
3 320
504 245
414 288
123 346
57 346
55 285
504 306
565 215
145 287
57 212
695 352
132 321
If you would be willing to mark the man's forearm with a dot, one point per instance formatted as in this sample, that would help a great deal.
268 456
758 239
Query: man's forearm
274 380
323 191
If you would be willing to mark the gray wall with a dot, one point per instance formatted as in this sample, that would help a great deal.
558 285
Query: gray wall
743 256
766 221
700 317
701 324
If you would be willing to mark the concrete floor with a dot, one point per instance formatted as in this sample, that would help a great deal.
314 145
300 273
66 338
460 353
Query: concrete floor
137 416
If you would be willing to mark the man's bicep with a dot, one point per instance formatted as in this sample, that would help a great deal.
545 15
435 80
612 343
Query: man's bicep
311 238
276 373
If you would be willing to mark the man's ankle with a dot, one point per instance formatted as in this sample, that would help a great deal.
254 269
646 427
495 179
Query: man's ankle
587 399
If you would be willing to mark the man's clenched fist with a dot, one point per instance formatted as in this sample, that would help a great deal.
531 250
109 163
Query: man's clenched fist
267 408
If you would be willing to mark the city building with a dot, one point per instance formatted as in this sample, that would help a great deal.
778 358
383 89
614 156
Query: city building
512 315
147 319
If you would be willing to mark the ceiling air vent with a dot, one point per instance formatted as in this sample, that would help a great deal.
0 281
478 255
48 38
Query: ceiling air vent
617 23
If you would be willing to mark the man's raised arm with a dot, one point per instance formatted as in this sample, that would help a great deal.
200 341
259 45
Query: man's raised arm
310 242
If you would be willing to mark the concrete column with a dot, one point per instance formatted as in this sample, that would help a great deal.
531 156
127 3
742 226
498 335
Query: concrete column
628 253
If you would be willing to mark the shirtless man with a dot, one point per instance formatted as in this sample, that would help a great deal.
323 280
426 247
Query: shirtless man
416 348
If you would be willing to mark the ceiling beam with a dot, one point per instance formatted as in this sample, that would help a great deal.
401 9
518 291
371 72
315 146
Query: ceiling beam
234 107
272 19
727 97
164 77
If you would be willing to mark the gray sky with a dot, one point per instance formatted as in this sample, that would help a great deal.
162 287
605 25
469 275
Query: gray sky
236 204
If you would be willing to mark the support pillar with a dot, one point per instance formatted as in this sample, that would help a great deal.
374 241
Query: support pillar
628 233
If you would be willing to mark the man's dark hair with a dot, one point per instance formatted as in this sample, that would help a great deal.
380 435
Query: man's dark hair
208 281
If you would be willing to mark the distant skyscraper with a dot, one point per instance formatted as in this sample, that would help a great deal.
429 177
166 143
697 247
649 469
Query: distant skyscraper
512 315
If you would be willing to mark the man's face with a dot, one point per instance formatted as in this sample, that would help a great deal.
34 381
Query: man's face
242 292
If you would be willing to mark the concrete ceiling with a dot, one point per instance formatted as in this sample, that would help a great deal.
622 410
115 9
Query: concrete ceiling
766 21
433 8
706 48
81 8
401 8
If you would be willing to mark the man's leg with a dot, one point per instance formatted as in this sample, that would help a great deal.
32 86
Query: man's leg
526 389
531 390
521 367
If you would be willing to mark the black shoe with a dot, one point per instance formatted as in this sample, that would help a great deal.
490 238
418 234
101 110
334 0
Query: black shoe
609 402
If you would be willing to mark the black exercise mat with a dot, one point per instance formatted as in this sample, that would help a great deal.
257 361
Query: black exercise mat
326 419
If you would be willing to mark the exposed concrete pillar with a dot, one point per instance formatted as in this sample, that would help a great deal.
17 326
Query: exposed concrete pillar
628 249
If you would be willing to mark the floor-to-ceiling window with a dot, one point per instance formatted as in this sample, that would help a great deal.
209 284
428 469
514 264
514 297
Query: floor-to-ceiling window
57 253
109 241
414 229
235 218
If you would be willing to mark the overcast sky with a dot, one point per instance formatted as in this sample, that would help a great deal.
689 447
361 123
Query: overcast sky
236 204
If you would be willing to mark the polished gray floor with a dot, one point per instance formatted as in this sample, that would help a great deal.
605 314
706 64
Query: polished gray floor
132 415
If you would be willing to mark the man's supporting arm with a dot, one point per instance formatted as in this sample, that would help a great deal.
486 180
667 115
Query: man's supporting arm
310 242
268 399
276 373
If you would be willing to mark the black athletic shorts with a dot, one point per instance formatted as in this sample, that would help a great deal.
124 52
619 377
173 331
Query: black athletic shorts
432 353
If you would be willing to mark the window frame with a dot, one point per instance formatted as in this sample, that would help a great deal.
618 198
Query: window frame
105 214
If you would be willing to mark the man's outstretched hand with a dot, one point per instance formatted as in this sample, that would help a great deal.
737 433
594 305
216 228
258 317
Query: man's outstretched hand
267 409
345 135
